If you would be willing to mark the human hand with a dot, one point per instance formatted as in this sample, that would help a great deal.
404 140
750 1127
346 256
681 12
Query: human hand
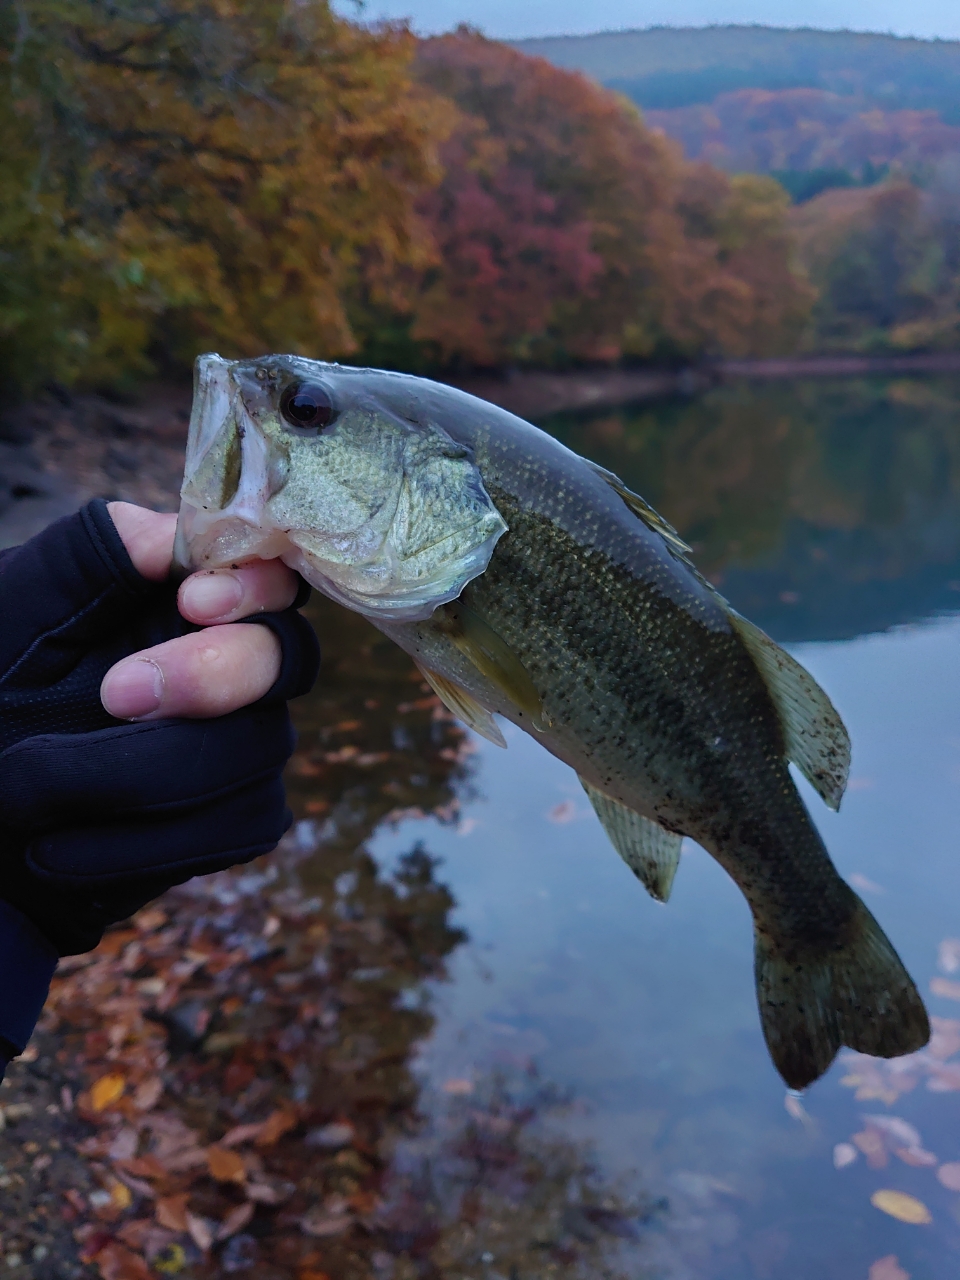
206 673
99 817
96 816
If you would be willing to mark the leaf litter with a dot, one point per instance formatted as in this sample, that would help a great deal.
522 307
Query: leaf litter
234 1066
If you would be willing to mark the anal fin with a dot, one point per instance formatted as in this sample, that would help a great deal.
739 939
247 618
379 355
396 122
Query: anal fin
650 851
464 706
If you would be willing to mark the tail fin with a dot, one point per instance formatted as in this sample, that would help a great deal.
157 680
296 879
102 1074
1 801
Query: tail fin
813 999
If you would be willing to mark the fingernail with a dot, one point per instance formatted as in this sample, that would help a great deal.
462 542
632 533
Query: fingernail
132 689
211 595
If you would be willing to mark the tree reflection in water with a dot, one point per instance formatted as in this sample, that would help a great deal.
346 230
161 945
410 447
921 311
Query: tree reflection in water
236 1067
823 509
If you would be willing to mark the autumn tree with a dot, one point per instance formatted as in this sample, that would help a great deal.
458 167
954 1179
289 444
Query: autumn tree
886 262
196 174
566 229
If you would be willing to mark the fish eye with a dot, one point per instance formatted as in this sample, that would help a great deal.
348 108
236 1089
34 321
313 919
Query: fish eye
307 406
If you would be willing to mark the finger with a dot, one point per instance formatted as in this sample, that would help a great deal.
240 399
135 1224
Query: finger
224 595
207 673
147 536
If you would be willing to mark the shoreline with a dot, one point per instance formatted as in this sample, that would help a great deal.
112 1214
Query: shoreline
534 393
58 451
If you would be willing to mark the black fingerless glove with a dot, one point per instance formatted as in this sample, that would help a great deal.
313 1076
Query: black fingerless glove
98 816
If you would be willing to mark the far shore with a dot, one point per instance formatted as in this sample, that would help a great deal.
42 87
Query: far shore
534 393
64 448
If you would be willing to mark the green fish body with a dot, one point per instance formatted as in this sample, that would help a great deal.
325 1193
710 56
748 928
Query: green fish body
528 583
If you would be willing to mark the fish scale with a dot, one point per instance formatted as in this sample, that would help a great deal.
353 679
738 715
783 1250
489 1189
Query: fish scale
528 583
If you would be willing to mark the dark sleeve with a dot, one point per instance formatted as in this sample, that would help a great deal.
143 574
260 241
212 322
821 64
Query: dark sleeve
27 963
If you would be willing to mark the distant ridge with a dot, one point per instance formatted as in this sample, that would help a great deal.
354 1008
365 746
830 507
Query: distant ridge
666 67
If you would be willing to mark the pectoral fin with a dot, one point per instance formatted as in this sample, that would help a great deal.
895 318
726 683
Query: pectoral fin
650 851
492 657
816 739
464 706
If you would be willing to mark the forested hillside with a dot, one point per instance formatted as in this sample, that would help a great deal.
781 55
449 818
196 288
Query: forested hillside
666 67
179 175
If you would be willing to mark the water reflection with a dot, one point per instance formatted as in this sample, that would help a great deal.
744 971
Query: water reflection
823 509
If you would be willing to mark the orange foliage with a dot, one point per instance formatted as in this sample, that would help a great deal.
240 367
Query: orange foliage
253 175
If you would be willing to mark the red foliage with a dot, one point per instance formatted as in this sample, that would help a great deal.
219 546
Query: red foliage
561 227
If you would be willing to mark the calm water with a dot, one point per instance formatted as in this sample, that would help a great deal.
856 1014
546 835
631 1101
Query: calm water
829 513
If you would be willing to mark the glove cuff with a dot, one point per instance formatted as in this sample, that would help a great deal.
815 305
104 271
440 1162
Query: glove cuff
27 964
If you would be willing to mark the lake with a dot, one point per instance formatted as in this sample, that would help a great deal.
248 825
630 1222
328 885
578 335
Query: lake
592 1095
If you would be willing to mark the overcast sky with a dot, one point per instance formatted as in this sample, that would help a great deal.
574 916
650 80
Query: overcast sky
513 19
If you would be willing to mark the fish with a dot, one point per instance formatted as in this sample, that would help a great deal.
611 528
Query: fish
528 583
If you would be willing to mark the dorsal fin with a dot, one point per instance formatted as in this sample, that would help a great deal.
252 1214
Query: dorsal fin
650 851
464 706
816 739
642 509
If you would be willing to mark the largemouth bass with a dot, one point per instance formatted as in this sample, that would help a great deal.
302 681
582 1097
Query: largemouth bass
527 582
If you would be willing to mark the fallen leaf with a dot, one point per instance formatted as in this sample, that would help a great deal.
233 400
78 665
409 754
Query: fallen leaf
147 1094
944 1077
142 1167
899 1131
185 1158
120 1195
844 1153
123 1145
944 987
563 812
75 1199
275 1126
262 1193
872 1146
241 1133
459 1088
331 1218
107 1090
888 1268
949 1175
172 1212
794 1107
901 1206
944 1038
948 955
915 1156
201 1232
225 1165
235 1221
150 919
119 1263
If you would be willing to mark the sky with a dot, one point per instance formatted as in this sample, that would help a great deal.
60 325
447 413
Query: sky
515 19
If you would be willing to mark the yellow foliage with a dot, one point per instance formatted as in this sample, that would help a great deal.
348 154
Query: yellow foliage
106 1091
902 1207
219 174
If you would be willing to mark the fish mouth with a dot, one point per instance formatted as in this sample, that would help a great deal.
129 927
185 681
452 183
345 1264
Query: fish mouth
378 553
231 471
